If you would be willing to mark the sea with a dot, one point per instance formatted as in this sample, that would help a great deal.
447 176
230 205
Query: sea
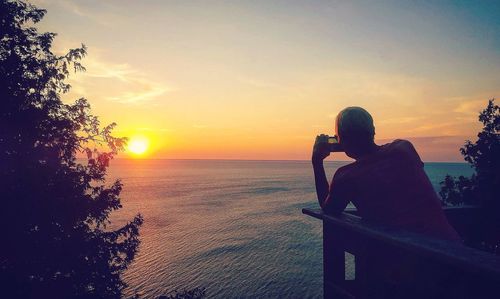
232 227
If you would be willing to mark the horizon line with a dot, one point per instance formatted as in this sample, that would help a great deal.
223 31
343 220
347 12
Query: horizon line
258 160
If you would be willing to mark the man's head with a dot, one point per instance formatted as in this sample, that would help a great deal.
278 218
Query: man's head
355 130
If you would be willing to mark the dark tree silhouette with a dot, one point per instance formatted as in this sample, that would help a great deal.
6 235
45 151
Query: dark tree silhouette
54 211
483 187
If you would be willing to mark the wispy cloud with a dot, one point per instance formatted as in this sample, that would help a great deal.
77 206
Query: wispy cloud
471 106
140 96
117 82
400 120
429 127
95 11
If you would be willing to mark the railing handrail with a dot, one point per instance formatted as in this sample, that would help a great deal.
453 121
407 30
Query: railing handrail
447 252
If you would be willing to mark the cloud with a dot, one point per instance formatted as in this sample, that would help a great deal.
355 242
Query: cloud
453 116
135 97
400 120
429 127
471 106
116 82
96 11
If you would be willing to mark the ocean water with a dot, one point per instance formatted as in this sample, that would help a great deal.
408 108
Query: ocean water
233 227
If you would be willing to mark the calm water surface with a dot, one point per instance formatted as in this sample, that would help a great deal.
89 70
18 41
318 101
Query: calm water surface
234 227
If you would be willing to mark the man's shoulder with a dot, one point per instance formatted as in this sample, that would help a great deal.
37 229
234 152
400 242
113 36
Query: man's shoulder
404 149
400 144
406 145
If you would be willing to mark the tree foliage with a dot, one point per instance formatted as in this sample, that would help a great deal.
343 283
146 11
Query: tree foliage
484 156
483 187
54 210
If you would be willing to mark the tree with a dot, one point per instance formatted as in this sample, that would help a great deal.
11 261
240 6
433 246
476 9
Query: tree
484 157
483 187
55 211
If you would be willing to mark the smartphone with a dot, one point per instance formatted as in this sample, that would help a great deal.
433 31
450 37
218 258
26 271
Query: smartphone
334 145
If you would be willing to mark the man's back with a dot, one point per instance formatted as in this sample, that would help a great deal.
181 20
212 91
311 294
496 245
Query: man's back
390 187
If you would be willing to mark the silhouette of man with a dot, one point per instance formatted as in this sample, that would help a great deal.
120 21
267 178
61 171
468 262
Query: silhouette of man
386 183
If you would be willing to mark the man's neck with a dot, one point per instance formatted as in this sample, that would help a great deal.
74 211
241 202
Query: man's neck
367 151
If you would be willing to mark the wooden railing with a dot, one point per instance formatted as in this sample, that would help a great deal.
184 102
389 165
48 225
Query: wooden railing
391 263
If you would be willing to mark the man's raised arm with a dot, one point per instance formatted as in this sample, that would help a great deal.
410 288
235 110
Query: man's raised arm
332 199
320 152
322 187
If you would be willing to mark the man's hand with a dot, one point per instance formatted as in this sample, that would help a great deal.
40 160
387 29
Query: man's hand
320 148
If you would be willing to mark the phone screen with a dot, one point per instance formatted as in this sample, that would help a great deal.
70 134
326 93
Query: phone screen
332 140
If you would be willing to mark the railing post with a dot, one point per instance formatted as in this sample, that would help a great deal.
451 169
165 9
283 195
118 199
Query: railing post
333 262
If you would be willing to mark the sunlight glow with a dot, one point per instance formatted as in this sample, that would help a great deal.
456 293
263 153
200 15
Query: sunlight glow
138 145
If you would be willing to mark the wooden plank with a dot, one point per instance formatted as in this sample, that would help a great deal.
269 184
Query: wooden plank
318 214
445 252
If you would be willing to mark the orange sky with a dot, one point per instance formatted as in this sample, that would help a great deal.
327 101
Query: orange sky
259 80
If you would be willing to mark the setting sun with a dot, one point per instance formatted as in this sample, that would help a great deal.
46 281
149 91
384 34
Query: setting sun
138 145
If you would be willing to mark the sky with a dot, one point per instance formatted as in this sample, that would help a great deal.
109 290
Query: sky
260 79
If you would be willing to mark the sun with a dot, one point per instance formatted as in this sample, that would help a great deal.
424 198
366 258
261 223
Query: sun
138 145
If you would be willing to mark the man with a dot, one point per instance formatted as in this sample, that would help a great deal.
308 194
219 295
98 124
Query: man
386 183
